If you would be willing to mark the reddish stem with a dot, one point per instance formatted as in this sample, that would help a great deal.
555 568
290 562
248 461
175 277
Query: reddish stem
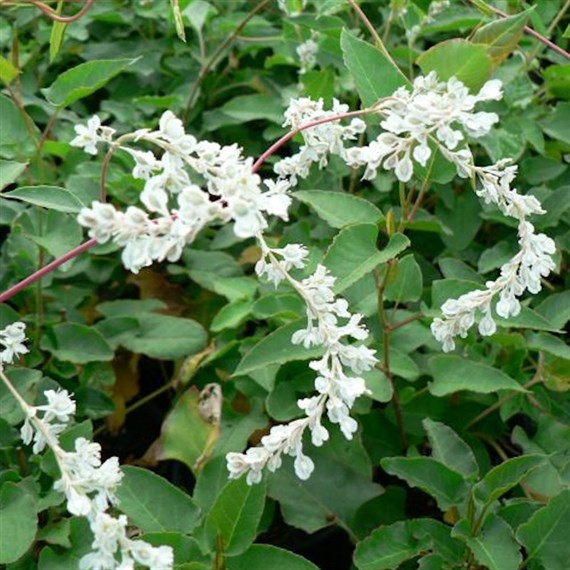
92 242
286 138
47 269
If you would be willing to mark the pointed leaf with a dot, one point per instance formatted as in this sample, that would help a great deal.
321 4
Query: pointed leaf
154 504
450 449
388 546
545 535
84 79
446 486
9 172
18 521
235 516
494 547
453 373
277 348
166 337
265 556
458 58
502 36
50 197
353 253
374 75
338 209
77 343
504 477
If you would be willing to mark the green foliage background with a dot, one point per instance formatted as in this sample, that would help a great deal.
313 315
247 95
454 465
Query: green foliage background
462 460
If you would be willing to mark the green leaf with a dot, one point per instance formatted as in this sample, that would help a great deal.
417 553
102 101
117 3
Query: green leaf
277 348
57 33
549 343
554 124
453 373
388 546
8 71
556 309
9 172
84 79
51 197
60 233
353 253
545 535
154 504
468 62
166 337
178 21
502 36
231 316
76 343
26 379
81 539
374 74
339 209
18 137
405 282
235 516
18 521
316 503
278 304
494 547
264 556
186 436
445 485
448 448
504 477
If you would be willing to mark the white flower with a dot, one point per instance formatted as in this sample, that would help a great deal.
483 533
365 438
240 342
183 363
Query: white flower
307 52
12 339
60 406
88 137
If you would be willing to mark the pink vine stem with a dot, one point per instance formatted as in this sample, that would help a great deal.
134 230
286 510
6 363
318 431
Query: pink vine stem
47 269
93 242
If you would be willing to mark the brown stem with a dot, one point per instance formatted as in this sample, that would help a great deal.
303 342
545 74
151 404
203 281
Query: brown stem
205 69
380 288
536 380
377 39
416 317
53 15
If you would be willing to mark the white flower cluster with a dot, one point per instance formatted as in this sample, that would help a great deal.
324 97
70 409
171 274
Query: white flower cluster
176 209
88 483
522 273
320 140
12 339
307 52
332 326
434 111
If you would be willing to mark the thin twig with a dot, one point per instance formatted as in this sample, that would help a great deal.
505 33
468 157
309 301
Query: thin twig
380 288
220 49
488 411
53 15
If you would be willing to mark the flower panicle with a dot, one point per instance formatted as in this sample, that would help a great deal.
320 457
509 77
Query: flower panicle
338 383
88 483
